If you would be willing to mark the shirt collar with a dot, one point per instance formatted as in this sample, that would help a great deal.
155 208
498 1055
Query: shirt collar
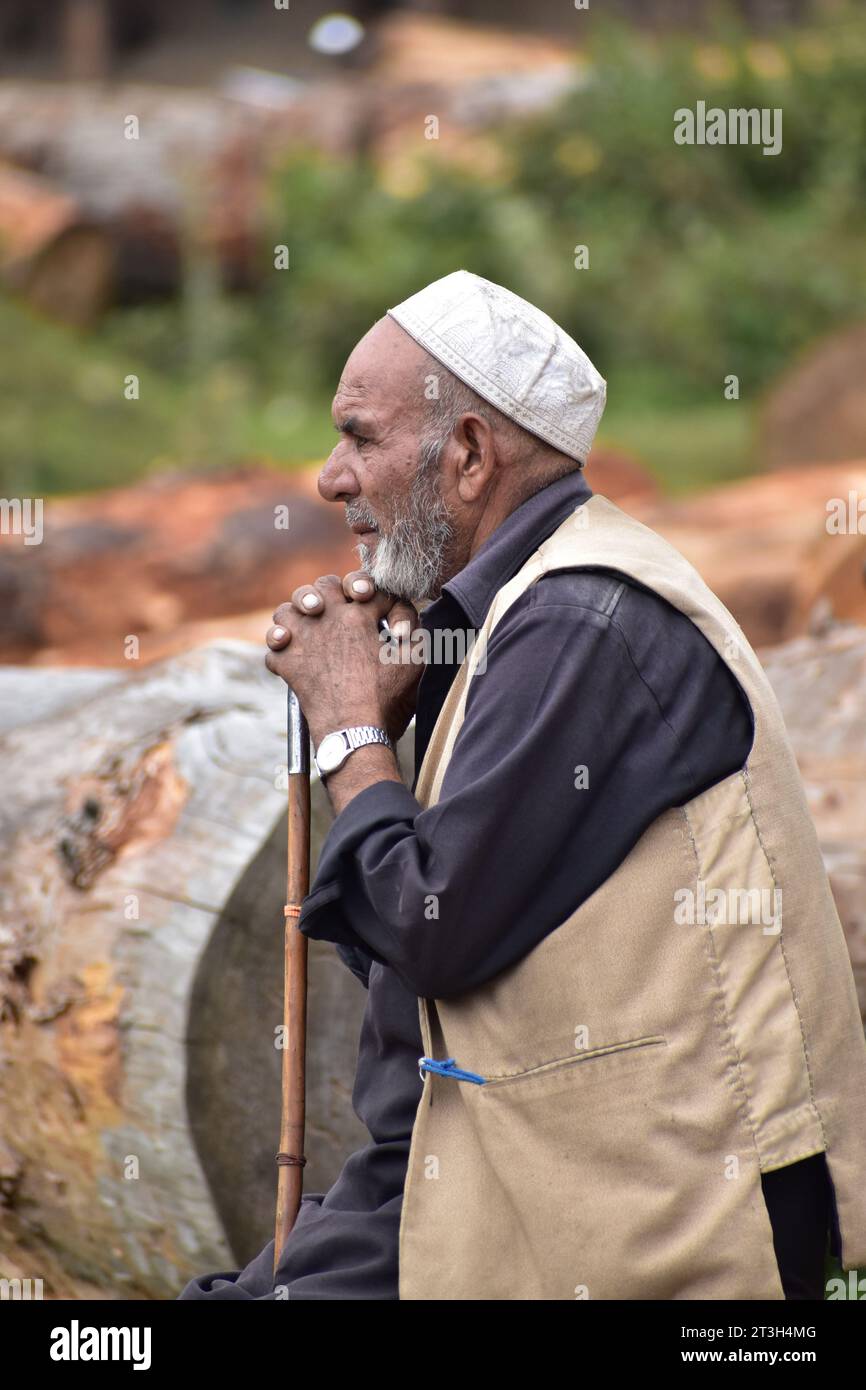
508 548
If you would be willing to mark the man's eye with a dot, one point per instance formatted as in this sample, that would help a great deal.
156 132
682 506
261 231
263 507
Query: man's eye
352 434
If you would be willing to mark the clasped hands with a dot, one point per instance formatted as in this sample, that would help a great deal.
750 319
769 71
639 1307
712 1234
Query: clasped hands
325 643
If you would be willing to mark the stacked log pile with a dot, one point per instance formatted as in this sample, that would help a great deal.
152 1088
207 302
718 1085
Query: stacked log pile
211 151
182 559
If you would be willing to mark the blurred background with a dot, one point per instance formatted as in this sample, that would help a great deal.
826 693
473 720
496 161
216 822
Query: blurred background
202 208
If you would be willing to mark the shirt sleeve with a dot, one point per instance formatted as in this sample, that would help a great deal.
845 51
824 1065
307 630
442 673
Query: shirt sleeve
257 1280
569 749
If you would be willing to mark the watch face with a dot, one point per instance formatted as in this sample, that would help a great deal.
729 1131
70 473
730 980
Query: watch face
331 752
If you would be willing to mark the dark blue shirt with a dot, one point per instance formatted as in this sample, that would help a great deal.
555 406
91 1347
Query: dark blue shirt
587 670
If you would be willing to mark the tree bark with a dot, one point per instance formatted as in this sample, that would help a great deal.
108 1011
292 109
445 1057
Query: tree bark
141 893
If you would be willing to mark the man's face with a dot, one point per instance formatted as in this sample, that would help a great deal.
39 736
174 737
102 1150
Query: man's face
390 483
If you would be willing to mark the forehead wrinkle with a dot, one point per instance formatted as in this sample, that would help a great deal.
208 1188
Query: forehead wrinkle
354 401
349 401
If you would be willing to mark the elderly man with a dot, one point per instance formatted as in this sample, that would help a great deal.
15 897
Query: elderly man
599 920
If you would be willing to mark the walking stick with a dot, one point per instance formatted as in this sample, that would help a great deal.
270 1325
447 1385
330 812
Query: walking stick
291 1158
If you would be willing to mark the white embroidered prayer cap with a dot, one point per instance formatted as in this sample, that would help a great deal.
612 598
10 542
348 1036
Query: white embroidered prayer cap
512 354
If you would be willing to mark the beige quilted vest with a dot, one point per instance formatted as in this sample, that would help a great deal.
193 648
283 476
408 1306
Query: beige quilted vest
642 1070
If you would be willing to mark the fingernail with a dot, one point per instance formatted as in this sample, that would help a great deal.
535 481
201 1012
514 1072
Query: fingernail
402 628
361 586
277 634
311 600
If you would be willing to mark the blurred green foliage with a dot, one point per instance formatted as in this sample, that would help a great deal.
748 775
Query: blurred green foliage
703 262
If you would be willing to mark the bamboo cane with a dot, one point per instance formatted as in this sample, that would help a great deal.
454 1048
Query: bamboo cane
291 1158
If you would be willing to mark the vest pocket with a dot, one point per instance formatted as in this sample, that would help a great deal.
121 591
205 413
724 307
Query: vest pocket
586 1055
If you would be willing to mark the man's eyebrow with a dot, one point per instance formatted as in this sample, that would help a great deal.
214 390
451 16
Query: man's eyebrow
350 424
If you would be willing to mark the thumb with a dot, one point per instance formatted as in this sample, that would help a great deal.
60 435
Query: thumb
402 618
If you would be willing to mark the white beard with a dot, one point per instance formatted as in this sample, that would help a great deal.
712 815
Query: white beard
408 559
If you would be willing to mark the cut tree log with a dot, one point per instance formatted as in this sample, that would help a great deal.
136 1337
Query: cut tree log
816 412
172 549
50 252
765 547
141 927
820 683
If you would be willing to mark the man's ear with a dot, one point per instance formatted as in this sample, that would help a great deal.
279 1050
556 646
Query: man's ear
476 445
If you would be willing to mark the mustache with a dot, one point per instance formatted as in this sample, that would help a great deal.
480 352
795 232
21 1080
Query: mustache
359 514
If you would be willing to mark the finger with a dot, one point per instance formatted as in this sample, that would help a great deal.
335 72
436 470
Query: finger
358 585
403 618
276 665
380 604
312 599
285 615
278 637
307 598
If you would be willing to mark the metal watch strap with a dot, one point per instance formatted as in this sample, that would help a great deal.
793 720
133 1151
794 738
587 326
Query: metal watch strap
361 734
358 736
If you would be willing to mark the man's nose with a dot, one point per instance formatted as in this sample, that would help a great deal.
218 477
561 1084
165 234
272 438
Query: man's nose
336 482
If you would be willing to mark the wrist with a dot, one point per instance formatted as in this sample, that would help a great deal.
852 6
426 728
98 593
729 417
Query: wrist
367 766
352 720
366 750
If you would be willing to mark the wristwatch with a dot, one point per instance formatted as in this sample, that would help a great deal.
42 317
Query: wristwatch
335 748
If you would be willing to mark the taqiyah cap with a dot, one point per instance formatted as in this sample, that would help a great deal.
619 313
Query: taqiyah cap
512 354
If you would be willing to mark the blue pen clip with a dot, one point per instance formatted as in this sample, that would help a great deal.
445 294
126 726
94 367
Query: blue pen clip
448 1068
